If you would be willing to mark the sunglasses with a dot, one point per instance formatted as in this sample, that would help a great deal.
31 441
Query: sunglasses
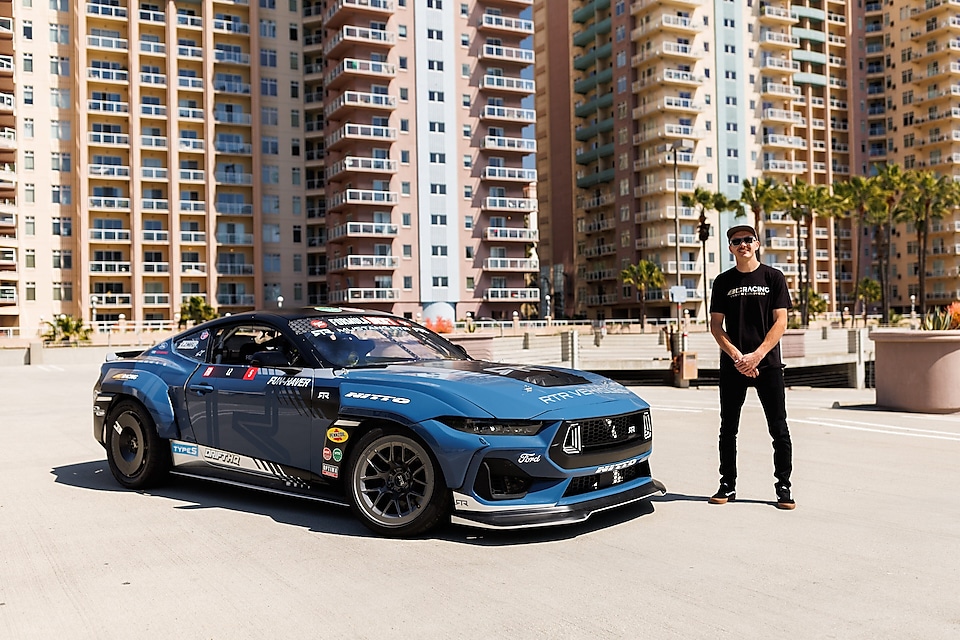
738 241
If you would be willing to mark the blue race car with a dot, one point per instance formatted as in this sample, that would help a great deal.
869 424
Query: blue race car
364 408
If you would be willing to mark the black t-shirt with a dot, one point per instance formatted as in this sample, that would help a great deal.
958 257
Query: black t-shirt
747 302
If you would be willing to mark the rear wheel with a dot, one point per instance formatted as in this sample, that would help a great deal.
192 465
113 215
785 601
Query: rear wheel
395 487
138 457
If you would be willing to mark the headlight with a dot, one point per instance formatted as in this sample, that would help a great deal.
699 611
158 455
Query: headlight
494 427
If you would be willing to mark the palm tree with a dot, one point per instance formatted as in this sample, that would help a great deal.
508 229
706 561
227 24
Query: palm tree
807 202
868 290
66 328
197 310
761 197
892 181
927 197
644 275
860 195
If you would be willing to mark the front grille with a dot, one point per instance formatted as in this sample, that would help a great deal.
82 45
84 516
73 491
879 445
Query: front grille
597 433
597 481
598 441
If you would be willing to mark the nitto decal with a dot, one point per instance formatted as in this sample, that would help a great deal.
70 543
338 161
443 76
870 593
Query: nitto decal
528 457
337 455
125 376
336 434
184 449
221 456
251 373
283 381
377 396
331 470
327 454
616 467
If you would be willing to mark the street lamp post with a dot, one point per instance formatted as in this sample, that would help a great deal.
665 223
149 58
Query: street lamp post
93 311
704 230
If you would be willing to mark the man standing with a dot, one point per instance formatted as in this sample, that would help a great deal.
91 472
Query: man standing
748 315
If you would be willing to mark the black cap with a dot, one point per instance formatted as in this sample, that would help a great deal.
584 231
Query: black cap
739 228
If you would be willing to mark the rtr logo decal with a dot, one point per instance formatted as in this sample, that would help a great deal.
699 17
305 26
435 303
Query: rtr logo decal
336 434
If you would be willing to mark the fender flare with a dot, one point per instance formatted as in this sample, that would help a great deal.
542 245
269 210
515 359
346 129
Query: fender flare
152 392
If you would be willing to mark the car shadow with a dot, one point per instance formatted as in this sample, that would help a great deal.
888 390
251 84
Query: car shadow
331 519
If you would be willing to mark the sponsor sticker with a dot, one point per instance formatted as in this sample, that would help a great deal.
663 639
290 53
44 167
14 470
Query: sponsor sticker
251 373
188 344
208 372
336 434
337 455
184 449
528 457
377 396
204 335
224 457
284 381
317 323
331 470
125 376
327 454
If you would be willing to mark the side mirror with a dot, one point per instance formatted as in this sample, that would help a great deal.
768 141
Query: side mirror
270 359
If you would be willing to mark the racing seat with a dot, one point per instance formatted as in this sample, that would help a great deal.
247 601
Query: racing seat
247 350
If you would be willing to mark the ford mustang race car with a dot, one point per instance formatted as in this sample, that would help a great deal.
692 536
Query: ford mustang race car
377 412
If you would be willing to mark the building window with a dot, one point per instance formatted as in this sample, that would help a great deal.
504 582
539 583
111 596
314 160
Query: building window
440 281
408 282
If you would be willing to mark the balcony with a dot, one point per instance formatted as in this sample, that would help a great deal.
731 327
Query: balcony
508 84
510 114
350 100
509 204
511 264
778 15
785 116
155 236
240 239
502 143
232 87
507 54
351 131
156 299
511 295
236 299
96 74
155 204
234 269
352 67
776 39
192 206
506 24
110 235
113 44
156 267
8 295
232 117
193 237
365 230
509 174
356 294
193 268
234 208
110 266
232 57
364 262
233 177
362 197
98 202
235 148
108 139
512 234
108 106
792 142
598 250
233 25
780 90
350 35
355 164
351 10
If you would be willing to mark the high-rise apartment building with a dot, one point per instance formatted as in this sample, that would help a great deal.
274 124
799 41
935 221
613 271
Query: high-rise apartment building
674 95
363 152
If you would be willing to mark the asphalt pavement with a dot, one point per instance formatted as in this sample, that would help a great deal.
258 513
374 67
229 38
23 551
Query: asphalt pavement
871 551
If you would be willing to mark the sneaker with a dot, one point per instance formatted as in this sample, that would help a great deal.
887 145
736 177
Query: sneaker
784 499
725 494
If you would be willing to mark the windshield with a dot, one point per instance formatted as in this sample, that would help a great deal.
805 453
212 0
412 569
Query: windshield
363 341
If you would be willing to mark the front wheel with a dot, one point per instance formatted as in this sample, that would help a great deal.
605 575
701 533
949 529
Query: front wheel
138 457
395 486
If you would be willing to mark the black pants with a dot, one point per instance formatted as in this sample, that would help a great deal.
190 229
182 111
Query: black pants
770 390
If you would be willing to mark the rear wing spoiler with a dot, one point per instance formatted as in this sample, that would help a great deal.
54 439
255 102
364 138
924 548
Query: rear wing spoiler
123 355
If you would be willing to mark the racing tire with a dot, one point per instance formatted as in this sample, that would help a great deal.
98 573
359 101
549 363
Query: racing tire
138 457
395 486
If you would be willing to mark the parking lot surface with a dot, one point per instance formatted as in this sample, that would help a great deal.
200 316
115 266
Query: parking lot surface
870 552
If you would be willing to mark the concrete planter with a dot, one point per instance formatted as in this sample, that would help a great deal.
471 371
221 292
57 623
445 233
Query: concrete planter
918 370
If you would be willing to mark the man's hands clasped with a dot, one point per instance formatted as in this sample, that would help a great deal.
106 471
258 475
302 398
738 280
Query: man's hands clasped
747 364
